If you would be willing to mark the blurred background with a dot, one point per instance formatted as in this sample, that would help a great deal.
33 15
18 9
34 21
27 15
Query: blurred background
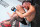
5 6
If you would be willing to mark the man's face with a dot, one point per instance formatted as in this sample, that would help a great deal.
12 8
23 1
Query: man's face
25 5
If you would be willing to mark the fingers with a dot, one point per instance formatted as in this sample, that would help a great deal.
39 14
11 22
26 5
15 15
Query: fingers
16 12
9 14
18 7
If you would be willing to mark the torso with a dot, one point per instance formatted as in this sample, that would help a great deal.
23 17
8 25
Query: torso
32 15
36 21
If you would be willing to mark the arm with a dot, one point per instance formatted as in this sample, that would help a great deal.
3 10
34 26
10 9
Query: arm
19 8
13 13
10 14
28 13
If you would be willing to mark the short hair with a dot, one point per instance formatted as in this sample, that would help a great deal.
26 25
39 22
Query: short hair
28 1
25 1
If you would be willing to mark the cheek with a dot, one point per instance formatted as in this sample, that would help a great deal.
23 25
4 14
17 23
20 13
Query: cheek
25 7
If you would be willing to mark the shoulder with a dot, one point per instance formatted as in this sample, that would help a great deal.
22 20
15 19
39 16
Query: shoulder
32 7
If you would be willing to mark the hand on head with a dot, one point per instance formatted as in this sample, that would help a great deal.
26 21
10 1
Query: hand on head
20 8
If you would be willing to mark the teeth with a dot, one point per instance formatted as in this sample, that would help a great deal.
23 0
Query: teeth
3 3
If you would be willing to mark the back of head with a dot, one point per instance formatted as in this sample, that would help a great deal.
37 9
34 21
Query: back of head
31 1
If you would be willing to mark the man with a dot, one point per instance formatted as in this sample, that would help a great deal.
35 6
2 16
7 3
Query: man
30 14
30 11
14 15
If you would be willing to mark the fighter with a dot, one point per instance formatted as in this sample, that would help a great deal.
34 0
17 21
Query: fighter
14 17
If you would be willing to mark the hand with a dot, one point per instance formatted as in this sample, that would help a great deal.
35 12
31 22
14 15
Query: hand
9 14
18 7
17 12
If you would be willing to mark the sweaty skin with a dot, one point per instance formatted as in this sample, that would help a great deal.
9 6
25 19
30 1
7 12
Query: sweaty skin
30 14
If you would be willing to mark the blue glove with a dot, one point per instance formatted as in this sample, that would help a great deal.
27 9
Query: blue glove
14 10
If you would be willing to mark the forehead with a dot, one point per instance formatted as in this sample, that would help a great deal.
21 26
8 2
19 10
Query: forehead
25 3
